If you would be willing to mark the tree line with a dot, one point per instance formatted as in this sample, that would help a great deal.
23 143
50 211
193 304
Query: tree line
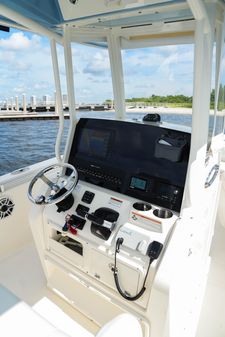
162 99
177 100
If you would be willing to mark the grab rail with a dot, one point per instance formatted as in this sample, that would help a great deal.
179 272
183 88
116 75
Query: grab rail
212 175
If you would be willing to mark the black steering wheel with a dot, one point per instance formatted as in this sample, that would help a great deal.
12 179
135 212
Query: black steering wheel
58 190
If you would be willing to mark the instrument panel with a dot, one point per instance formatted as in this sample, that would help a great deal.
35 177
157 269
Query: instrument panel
144 161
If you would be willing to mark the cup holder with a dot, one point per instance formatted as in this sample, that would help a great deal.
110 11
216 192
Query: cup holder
142 206
163 213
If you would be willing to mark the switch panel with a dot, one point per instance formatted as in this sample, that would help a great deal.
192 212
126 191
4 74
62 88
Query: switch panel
88 197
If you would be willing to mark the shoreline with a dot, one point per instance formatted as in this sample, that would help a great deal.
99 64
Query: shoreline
164 110
161 110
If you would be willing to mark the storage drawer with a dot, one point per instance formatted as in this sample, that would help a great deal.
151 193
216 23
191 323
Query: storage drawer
130 278
66 253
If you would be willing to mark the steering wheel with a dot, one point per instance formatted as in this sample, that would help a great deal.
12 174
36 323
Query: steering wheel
58 190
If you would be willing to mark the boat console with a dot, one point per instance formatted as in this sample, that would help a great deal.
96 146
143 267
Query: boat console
108 245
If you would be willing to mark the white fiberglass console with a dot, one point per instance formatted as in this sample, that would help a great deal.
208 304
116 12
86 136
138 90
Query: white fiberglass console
93 255
101 250
77 260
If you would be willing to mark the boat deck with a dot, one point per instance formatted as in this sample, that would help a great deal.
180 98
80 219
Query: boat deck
22 274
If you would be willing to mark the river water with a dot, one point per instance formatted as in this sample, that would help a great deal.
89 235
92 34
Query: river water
23 143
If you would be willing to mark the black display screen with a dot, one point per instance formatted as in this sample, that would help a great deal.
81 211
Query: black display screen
94 143
133 159
137 183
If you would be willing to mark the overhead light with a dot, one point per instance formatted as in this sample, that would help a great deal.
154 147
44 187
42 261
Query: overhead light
132 2
123 3
74 2
112 2
4 28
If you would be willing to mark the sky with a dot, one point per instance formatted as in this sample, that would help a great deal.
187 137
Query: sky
26 67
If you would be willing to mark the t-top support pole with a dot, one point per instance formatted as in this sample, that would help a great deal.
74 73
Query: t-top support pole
115 56
58 105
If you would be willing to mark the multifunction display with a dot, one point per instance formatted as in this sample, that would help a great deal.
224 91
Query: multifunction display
145 161
94 143
137 183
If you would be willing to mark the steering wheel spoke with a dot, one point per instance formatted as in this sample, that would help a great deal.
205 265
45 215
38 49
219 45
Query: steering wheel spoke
67 182
57 191
47 181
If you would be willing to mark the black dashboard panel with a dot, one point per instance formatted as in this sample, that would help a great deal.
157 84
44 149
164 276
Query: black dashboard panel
144 161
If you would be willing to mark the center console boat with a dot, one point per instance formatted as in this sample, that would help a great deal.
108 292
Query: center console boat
128 218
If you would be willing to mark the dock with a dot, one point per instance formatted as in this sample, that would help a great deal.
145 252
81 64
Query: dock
29 116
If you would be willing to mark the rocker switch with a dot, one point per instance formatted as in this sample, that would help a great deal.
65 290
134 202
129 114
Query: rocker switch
142 247
88 197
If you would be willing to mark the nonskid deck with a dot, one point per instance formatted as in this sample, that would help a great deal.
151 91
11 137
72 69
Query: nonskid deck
22 274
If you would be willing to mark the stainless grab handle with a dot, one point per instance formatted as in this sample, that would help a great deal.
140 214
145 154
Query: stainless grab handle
212 175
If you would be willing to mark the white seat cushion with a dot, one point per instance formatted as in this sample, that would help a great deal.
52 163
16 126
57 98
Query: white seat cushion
21 321
17 319
121 325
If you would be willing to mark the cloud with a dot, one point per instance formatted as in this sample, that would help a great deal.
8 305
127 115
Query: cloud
25 60
19 41
159 70
22 66
41 85
7 56
98 65
166 68
20 89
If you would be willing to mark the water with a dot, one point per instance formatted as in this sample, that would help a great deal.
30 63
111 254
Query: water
23 143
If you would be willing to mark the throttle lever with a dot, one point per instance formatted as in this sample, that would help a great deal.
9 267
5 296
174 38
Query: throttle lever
99 221
95 219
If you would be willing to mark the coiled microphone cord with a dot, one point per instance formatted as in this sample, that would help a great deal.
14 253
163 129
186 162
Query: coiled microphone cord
116 278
